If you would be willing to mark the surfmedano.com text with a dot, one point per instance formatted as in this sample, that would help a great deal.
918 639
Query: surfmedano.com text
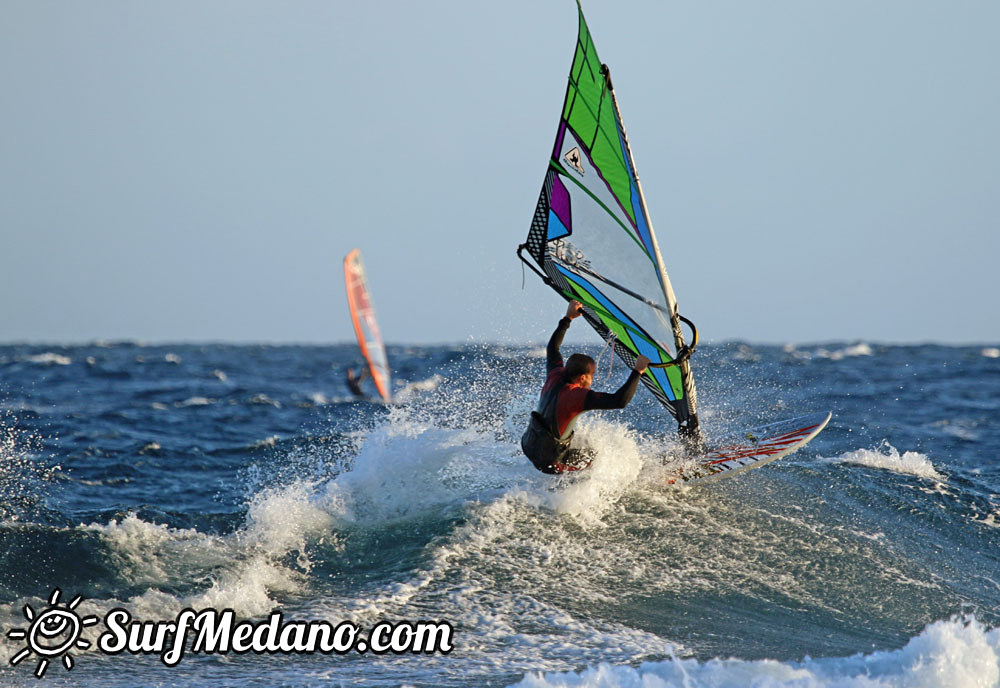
214 632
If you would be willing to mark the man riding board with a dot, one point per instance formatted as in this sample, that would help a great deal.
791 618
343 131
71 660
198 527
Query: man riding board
566 394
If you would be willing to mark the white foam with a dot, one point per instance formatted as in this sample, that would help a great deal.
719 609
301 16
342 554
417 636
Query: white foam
990 520
887 457
539 352
958 653
194 401
145 552
319 399
961 428
242 570
746 353
49 358
280 521
859 349
991 352
590 493
411 388
408 467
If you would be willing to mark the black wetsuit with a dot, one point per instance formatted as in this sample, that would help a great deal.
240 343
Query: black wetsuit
354 383
547 441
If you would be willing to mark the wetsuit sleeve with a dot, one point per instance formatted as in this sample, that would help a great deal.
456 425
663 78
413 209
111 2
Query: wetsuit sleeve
553 359
618 400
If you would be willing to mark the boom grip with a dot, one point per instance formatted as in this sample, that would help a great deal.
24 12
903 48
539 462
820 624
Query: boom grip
685 351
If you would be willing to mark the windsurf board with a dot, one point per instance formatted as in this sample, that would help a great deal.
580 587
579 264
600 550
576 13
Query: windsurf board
751 449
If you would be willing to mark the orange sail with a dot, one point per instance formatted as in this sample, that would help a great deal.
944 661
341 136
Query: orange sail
365 326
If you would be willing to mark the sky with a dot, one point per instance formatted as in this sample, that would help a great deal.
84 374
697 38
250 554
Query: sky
197 170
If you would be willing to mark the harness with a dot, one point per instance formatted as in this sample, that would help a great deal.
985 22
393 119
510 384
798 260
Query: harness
541 442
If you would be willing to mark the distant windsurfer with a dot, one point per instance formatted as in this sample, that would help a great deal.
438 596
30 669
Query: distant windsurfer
354 381
566 394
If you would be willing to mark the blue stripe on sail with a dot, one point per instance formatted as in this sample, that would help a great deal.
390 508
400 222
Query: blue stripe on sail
659 374
637 210
645 348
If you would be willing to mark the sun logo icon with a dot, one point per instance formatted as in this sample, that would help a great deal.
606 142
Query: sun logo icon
52 633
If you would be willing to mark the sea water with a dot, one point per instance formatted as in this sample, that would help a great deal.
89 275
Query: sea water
155 479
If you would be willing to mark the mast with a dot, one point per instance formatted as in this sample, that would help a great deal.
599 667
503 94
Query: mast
688 428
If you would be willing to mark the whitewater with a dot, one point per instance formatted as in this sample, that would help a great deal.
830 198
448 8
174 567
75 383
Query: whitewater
158 478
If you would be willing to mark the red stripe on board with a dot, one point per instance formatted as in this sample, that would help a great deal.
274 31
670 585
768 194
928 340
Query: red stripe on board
771 446
749 451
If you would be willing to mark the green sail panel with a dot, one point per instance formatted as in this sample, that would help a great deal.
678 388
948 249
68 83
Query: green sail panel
590 114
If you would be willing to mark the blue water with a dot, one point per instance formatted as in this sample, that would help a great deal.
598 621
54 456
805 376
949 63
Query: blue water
155 478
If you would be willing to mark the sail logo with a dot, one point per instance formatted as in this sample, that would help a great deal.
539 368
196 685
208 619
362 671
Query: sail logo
566 253
575 160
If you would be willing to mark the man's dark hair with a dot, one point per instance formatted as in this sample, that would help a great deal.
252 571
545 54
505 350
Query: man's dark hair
577 365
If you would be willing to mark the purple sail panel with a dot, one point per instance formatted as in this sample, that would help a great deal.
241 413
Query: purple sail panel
559 139
559 204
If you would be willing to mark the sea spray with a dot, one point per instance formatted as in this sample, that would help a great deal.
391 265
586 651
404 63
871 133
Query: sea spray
24 475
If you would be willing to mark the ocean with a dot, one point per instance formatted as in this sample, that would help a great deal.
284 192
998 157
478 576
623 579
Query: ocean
158 478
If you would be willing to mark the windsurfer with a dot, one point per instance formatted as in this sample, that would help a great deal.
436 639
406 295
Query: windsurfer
354 381
566 394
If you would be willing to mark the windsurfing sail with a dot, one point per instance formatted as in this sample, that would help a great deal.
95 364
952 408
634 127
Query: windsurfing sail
365 326
593 241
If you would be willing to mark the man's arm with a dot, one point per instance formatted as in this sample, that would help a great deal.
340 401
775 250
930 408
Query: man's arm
553 358
621 398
